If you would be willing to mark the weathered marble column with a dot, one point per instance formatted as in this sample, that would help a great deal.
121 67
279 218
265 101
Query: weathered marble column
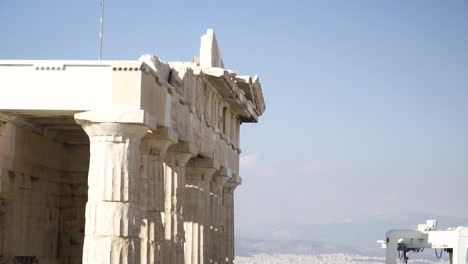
228 203
153 150
2 191
216 222
198 175
112 211
181 154
2 127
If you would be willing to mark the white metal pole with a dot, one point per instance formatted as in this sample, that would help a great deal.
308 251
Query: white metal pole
101 32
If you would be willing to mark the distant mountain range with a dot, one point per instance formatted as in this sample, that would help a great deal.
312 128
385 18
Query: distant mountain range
322 259
253 247
354 237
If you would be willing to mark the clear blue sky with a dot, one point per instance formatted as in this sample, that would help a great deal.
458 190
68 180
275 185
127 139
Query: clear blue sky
367 108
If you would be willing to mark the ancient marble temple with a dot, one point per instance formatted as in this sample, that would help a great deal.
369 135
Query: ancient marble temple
113 162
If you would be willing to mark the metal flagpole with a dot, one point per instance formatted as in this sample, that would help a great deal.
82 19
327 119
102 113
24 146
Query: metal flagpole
102 29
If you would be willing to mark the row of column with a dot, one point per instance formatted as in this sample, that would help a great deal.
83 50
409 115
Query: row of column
151 201
209 215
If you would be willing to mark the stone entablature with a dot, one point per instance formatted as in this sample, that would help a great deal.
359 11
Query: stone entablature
149 148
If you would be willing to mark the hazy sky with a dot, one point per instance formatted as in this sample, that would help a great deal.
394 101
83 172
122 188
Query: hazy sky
367 108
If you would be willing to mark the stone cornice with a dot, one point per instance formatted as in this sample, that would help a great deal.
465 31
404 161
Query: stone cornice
222 81
149 65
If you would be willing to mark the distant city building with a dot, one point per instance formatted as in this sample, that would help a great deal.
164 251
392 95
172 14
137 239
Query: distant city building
113 162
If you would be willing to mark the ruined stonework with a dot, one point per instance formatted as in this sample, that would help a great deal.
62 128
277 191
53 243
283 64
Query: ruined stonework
113 162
